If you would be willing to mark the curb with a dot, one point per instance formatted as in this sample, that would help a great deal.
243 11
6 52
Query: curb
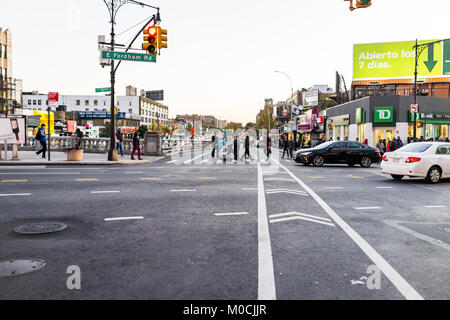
74 163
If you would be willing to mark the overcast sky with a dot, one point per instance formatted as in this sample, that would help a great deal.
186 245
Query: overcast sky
222 54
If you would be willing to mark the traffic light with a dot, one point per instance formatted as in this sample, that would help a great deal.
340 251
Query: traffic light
363 3
115 111
162 39
151 38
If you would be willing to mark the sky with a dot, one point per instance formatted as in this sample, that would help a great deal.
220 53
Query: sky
222 55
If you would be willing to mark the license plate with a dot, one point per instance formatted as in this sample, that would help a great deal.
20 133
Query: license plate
396 160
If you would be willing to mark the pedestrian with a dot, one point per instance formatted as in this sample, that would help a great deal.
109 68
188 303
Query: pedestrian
393 145
268 146
136 146
247 147
446 140
308 144
291 146
366 142
41 136
380 146
213 143
235 148
346 139
119 137
385 145
399 142
285 147
223 145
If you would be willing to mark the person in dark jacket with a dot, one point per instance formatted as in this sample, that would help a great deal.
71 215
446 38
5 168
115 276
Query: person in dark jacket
285 146
393 145
213 143
136 146
399 142
235 148
119 137
41 136
290 143
247 148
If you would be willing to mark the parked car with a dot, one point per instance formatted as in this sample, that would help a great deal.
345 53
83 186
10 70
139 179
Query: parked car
429 160
349 152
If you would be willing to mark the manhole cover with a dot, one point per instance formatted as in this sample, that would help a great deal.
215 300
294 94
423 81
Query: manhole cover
40 227
15 267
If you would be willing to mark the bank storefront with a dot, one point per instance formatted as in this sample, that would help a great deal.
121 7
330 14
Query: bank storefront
386 117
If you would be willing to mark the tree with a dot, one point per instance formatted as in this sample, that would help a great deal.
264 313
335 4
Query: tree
264 117
326 102
189 126
250 125
106 133
142 130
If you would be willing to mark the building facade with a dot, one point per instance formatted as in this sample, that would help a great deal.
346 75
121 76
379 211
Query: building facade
10 88
386 117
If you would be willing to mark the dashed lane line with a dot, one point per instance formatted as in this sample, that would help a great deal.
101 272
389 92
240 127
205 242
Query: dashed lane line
124 218
86 180
396 279
13 181
184 190
435 207
366 208
150 179
207 178
15 194
97 192
231 214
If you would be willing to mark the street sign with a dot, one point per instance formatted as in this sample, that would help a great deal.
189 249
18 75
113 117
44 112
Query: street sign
127 56
414 108
53 96
102 89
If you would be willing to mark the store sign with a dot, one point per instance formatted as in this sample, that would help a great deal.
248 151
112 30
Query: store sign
311 98
397 59
359 115
308 121
431 117
384 114
98 115
343 120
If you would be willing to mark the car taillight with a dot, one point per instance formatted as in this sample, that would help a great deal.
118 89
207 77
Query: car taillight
384 158
412 159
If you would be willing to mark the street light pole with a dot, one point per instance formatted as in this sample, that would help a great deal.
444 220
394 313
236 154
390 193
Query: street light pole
292 97
415 93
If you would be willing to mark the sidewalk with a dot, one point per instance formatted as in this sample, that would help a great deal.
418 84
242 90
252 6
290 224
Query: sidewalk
29 158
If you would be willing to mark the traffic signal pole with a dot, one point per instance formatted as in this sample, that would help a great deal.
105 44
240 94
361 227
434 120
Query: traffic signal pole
415 94
113 6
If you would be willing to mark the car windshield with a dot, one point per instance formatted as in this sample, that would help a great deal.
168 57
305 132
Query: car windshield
415 147
324 145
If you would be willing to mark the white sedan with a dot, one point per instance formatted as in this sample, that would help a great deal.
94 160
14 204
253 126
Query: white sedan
429 160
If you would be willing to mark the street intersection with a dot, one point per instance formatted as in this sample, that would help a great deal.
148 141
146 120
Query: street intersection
192 227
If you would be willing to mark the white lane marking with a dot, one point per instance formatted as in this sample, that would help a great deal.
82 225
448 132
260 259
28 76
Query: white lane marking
278 179
397 280
301 218
204 160
289 192
231 214
124 218
15 194
134 172
22 167
193 159
38 173
185 190
366 208
384 187
171 161
249 189
435 207
94 192
333 187
266 277
396 224
279 215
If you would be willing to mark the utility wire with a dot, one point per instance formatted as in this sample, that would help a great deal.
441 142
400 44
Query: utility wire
146 19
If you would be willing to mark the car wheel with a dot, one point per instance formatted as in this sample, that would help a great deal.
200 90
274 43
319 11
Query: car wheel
397 176
366 162
318 161
434 175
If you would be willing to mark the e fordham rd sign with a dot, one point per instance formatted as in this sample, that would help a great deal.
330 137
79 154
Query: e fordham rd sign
384 115
112 55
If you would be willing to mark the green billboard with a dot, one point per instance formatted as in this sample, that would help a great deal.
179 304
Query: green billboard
392 60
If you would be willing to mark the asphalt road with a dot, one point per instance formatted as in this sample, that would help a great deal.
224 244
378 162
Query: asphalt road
195 228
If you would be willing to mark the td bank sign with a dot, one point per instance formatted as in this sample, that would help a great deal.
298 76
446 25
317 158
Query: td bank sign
383 115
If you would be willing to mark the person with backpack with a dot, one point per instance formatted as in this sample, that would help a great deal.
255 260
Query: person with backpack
41 136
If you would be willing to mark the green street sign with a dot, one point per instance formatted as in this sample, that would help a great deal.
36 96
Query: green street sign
384 114
103 90
127 56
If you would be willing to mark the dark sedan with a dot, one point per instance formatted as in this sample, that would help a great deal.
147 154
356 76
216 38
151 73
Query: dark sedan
349 152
